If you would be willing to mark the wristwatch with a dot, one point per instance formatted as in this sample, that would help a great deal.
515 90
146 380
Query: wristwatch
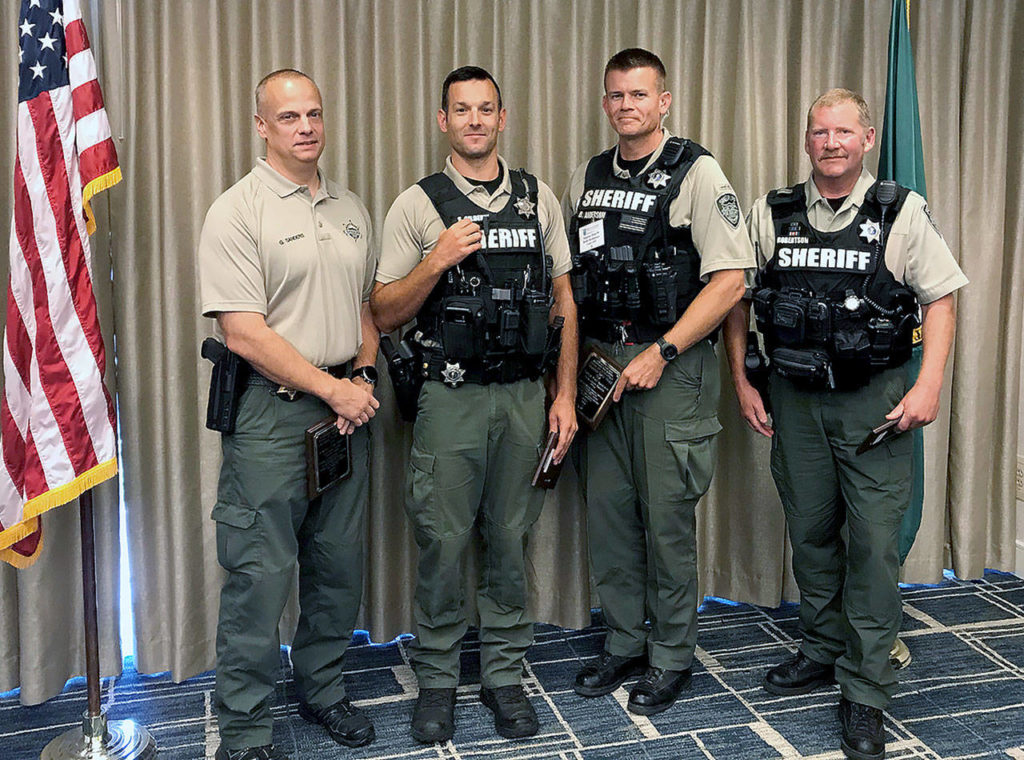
668 350
366 373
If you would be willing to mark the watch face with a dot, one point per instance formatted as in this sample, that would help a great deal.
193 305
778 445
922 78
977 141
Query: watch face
668 350
368 374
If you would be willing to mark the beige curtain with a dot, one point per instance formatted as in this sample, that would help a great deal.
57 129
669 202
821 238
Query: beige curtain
178 77
42 639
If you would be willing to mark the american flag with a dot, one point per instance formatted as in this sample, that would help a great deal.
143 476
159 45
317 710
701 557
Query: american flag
56 418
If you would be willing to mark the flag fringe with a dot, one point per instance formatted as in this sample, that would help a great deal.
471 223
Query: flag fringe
20 561
10 536
94 188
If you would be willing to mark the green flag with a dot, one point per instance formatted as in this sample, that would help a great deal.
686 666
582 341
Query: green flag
901 158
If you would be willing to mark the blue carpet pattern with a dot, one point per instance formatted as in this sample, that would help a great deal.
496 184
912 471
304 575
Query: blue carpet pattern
962 696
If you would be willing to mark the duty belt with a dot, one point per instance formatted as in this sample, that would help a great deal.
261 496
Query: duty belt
290 394
453 374
625 332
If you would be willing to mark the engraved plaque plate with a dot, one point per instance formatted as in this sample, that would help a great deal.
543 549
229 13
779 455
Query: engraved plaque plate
328 457
595 385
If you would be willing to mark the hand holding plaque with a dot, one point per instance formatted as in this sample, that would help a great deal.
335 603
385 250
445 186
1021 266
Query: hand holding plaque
595 386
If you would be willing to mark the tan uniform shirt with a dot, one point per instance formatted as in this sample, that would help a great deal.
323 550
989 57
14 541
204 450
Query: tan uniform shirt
718 234
412 226
306 264
915 252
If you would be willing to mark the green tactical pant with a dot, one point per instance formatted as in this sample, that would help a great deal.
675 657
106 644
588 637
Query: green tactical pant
264 524
850 607
644 469
474 451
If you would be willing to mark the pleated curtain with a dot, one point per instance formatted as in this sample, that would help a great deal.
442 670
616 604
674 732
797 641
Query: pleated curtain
178 77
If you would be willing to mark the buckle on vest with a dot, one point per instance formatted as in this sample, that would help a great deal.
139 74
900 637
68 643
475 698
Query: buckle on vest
453 375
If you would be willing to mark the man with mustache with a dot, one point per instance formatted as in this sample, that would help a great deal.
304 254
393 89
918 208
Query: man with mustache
844 263
477 254
658 260
286 266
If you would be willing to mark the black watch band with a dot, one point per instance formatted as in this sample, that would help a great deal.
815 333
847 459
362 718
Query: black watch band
668 350
367 373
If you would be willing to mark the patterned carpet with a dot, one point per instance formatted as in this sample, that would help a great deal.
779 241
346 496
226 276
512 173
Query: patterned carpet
962 696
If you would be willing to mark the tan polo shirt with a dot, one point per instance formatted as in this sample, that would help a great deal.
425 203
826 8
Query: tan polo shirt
915 253
718 235
304 263
412 226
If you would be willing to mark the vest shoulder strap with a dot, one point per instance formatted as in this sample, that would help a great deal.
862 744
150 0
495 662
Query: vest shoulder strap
441 191
786 196
523 177
898 193
681 152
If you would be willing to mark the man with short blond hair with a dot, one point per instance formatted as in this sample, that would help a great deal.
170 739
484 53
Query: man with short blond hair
659 254
845 265
286 264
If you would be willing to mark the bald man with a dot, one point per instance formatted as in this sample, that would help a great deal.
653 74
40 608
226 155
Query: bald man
286 267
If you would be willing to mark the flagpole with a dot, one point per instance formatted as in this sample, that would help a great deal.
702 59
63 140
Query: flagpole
92 646
97 738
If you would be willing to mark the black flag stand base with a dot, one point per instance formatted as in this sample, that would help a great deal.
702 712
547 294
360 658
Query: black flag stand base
98 738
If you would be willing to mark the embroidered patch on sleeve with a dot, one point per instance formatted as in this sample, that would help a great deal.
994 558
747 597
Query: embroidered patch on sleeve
931 221
729 208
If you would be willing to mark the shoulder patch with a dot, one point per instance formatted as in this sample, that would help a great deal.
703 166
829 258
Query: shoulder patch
729 208
931 221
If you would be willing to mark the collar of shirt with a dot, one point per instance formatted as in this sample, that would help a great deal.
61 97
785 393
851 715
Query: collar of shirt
853 201
621 173
284 187
468 188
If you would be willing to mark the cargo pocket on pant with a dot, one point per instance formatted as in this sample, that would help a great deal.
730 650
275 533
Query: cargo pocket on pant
693 445
420 497
239 538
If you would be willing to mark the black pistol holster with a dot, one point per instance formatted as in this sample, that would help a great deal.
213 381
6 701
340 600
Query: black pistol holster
227 382
755 364
404 371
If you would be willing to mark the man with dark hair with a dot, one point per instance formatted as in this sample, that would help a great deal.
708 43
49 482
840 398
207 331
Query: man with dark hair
477 254
467 74
658 261
844 263
286 265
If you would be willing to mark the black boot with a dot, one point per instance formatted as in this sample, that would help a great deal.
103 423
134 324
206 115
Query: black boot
514 716
345 722
657 690
433 717
863 730
606 672
266 752
798 675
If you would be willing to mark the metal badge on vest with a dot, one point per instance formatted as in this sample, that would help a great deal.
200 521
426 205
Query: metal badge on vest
831 312
486 320
633 273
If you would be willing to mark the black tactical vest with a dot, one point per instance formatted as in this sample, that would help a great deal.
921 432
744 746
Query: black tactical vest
646 272
831 312
486 320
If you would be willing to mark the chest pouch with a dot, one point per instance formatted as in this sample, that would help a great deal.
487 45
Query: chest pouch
623 270
788 322
463 326
534 312
809 369
661 291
